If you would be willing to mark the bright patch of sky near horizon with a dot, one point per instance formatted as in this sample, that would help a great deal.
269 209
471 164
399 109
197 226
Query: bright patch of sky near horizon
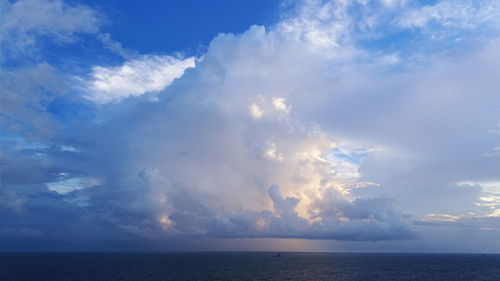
353 125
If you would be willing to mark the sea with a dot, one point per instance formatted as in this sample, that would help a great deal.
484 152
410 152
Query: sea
64 266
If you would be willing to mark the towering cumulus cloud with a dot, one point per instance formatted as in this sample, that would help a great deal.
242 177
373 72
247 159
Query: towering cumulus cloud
222 153
268 134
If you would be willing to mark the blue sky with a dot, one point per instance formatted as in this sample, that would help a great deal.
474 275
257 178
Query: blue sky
355 125
181 26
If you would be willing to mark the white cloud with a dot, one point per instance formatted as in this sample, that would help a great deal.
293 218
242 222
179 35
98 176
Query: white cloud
322 24
440 217
460 14
68 185
24 22
495 214
134 77
68 148
195 162
489 199
486 186
280 105
255 111
272 152
218 170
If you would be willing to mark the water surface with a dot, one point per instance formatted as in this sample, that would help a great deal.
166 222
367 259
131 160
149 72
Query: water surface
246 266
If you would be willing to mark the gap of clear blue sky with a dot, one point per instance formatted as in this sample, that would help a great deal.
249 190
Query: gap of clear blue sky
186 26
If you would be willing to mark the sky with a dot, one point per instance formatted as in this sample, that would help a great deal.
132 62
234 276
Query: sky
339 126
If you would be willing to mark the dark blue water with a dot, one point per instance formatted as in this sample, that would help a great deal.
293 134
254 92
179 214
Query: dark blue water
245 266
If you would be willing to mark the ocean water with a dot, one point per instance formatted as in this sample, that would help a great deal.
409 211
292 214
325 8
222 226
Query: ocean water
246 266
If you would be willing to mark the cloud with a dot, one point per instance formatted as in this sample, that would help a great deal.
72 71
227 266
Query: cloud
489 198
356 221
11 201
323 24
459 14
65 186
298 130
440 217
116 47
26 22
279 104
195 162
255 111
134 77
26 95
207 166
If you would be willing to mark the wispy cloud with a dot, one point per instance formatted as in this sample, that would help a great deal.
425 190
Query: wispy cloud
26 22
134 77
458 14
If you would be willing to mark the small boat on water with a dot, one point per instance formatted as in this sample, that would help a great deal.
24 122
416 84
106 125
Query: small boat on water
277 255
